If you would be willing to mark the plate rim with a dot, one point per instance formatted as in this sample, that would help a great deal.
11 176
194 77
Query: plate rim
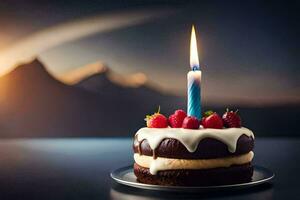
116 178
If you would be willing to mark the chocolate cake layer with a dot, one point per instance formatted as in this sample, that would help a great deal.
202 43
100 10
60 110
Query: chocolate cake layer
207 148
217 176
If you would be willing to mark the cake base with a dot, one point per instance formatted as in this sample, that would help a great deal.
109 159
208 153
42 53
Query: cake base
218 176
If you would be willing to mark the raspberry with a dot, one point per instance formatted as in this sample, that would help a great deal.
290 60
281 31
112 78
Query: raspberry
231 119
190 123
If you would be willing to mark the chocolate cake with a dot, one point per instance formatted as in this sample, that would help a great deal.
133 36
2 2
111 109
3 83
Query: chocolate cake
204 156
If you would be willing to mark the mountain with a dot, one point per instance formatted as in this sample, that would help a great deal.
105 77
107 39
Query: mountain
133 89
265 121
35 104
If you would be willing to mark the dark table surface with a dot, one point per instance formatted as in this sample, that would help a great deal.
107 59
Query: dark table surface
80 168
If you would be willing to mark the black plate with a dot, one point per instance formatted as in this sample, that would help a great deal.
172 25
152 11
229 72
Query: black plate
126 177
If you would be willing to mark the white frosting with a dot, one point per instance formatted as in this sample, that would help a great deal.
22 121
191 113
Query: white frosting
190 138
161 163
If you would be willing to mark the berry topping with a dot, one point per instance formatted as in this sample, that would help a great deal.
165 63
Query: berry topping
156 120
212 120
231 119
177 118
180 113
190 122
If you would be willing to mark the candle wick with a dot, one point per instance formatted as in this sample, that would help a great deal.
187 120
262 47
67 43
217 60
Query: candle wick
195 68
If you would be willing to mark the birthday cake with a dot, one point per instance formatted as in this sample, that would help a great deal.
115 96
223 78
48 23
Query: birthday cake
190 149
182 150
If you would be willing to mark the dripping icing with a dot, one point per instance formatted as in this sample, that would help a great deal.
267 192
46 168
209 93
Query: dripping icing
137 144
190 138
139 148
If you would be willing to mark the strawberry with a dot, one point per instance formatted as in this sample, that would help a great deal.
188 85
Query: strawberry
190 122
177 118
212 120
231 119
156 120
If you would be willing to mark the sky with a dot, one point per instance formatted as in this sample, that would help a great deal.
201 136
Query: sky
249 51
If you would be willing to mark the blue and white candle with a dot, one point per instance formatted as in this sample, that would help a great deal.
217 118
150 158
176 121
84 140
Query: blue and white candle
194 80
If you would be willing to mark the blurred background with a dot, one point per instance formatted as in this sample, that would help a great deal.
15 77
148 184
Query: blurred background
79 68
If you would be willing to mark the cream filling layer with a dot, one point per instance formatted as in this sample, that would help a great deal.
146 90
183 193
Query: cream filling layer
161 163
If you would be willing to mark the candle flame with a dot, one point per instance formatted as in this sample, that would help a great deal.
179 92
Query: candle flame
194 60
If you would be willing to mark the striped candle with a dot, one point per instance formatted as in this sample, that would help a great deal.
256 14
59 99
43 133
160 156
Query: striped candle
194 93
194 80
